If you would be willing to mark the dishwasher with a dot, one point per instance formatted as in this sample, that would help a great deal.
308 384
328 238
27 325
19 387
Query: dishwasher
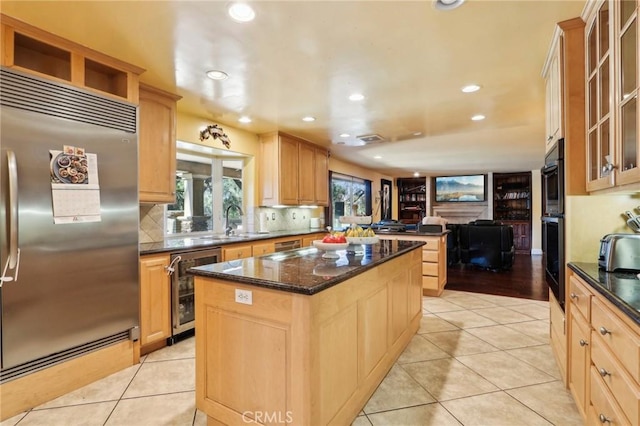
287 245
182 289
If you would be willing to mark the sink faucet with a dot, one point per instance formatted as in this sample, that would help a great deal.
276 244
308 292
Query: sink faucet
227 228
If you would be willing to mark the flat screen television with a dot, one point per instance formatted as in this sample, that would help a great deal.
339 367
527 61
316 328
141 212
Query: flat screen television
467 188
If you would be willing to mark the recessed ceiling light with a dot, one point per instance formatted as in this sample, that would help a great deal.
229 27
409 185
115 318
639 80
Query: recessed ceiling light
308 118
356 97
217 75
244 119
470 88
344 135
447 4
417 133
241 12
478 117
416 174
377 157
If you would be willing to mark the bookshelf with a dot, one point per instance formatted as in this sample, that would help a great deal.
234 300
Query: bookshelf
412 199
512 206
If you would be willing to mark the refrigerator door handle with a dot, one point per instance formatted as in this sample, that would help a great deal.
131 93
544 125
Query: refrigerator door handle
13 260
13 209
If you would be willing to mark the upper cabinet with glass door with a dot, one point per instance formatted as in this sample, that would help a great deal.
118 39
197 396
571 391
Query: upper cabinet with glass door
628 73
612 94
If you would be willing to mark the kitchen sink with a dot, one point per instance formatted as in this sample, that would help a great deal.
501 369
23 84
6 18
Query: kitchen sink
216 237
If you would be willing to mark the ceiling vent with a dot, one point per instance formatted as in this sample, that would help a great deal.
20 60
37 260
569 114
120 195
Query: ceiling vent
370 138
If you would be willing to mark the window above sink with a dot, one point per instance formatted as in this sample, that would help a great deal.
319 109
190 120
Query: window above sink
208 180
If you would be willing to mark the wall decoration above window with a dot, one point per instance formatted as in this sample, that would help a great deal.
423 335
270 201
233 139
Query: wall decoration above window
215 132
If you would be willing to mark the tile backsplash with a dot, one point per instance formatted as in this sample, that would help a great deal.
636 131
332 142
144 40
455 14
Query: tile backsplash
267 219
261 219
151 223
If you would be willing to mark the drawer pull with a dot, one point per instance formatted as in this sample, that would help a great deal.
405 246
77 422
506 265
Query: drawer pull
604 372
604 419
583 342
573 296
604 331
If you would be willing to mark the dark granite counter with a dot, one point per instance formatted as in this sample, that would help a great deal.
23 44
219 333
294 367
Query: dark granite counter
198 242
620 288
409 233
304 270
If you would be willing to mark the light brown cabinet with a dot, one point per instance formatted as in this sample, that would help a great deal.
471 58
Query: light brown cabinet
613 81
307 240
565 100
579 308
260 249
558 335
434 261
157 145
155 299
35 51
317 358
553 89
604 357
236 251
321 173
292 171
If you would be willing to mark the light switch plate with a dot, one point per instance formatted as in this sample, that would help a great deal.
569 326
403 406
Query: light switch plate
244 296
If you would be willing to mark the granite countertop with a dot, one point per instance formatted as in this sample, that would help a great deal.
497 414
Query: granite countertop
425 234
197 242
304 270
620 288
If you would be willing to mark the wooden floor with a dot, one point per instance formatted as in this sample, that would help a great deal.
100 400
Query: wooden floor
525 279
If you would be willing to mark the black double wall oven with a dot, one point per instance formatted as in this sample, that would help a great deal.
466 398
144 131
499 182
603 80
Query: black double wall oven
553 238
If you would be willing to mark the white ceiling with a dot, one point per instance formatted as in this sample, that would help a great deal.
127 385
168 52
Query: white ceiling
302 58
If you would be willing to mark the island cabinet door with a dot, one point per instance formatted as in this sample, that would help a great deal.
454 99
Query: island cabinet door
247 346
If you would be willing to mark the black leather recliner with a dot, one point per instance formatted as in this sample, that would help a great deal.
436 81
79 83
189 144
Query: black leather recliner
487 244
453 244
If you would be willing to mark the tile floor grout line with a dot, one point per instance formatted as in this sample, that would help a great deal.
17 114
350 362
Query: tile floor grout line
525 405
402 408
125 390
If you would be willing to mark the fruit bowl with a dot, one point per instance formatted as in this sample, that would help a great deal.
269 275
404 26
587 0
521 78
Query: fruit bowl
363 240
330 248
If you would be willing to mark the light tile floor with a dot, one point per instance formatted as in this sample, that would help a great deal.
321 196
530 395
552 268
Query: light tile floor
476 360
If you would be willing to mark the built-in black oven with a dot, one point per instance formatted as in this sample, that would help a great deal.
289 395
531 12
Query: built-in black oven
553 197
553 181
553 255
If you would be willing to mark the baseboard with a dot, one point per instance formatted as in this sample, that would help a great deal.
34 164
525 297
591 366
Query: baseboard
536 252
42 386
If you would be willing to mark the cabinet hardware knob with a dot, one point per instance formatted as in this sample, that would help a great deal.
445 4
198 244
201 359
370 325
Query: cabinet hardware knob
550 137
604 331
573 296
604 419
583 342
604 372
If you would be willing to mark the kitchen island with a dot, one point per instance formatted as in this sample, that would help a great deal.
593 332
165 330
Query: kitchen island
293 338
434 257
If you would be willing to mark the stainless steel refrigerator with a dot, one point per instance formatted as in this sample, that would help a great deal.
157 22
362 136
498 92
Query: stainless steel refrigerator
69 274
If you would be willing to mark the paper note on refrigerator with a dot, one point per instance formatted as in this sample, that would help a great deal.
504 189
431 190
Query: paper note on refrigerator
75 190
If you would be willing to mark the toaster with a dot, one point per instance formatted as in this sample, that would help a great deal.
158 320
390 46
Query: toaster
620 252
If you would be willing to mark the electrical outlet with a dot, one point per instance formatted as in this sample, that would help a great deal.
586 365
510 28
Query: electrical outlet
273 216
244 296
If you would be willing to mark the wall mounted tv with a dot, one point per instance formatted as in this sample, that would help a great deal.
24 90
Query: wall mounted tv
468 188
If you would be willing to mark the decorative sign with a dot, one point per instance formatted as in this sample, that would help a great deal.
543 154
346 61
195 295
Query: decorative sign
74 186
216 132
